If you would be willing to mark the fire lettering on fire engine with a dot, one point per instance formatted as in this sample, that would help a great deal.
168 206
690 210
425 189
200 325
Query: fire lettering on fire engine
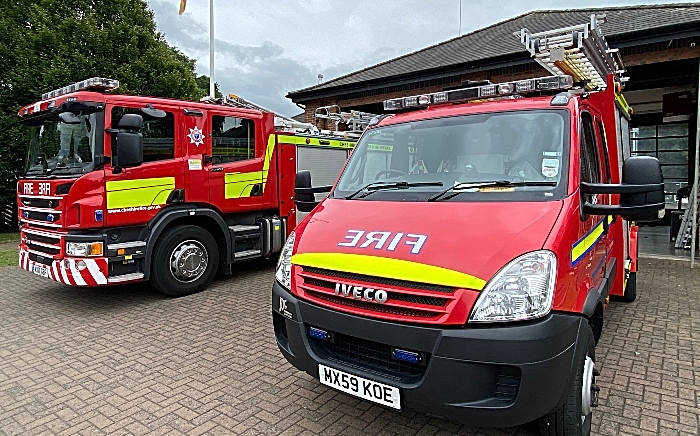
379 239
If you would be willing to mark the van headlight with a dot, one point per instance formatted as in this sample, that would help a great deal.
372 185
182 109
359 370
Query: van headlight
522 290
284 265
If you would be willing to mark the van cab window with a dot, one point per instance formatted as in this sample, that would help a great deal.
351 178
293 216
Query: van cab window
526 148
158 134
590 163
233 139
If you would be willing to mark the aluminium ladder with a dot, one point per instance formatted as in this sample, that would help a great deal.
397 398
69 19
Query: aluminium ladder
356 121
578 51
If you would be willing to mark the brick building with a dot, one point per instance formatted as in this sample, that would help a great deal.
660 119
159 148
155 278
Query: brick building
660 47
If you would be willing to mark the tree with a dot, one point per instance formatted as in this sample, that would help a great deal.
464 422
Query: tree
203 84
46 44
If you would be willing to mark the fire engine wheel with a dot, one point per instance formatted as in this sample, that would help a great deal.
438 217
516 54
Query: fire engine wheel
574 417
184 261
631 288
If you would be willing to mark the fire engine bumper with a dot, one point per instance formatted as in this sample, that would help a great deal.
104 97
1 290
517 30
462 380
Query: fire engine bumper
69 271
491 376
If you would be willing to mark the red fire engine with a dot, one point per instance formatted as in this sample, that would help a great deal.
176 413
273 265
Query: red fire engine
462 262
120 189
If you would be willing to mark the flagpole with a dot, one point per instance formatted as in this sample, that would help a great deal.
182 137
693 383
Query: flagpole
211 49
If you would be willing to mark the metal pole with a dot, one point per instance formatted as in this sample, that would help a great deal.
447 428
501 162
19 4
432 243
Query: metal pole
695 175
211 49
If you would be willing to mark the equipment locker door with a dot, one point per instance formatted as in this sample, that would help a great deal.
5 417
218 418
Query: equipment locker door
236 167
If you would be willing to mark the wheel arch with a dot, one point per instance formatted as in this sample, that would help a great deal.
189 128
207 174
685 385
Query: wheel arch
207 219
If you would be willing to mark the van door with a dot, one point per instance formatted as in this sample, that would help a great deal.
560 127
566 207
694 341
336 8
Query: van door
236 167
591 232
606 242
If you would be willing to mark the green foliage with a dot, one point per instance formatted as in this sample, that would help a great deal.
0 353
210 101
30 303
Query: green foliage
47 44
203 84
9 257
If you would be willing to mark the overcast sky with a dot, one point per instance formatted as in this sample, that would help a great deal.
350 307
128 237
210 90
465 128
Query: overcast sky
266 48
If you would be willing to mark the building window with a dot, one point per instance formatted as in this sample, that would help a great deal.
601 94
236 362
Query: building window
233 139
158 134
670 144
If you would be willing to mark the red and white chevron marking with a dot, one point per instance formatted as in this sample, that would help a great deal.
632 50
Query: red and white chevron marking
94 275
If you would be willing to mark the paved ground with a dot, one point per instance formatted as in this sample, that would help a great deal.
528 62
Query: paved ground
127 360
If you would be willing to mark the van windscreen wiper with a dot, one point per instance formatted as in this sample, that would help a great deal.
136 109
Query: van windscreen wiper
378 186
463 187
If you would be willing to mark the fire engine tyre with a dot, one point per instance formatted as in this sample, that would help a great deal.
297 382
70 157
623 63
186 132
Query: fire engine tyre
185 260
574 417
631 288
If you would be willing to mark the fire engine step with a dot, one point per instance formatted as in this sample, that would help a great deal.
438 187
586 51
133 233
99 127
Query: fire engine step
247 254
125 278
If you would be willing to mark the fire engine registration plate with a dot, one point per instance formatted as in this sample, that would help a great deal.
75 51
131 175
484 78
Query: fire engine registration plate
41 270
360 387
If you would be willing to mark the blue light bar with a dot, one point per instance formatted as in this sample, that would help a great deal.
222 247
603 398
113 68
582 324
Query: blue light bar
518 87
93 84
406 356
319 334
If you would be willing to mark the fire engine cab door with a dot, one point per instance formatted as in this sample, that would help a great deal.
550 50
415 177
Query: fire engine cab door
135 195
236 167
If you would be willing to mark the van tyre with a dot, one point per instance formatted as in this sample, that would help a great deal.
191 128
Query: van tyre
185 260
631 288
574 417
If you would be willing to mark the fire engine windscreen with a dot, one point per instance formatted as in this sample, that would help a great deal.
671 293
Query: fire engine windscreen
518 147
59 148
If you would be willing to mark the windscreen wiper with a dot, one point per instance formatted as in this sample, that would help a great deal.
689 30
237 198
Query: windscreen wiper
378 186
463 187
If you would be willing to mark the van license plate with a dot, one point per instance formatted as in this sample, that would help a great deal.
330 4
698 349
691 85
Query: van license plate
360 387
40 270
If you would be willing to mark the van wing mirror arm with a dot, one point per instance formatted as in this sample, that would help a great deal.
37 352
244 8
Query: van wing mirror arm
606 209
604 188
315 190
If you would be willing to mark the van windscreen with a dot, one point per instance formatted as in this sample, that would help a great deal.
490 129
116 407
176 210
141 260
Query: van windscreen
517 147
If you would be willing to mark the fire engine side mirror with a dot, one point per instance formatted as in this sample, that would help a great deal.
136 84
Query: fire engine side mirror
641 192
129 142
304 193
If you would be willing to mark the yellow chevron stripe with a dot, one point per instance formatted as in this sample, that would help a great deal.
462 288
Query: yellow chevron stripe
139 192
389 268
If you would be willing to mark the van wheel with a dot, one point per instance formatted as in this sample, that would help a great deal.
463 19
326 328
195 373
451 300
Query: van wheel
184 261
631 288
574 417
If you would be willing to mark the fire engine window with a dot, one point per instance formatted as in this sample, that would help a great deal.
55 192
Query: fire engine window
590 164
602 141
233 139
158 134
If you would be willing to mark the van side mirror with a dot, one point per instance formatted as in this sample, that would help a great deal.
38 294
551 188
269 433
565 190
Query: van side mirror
128 142
303 192
641 192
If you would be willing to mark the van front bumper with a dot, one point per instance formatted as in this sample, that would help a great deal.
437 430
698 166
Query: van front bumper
490 376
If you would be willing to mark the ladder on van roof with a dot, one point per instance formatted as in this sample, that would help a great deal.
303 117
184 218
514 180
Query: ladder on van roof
356 121
578 51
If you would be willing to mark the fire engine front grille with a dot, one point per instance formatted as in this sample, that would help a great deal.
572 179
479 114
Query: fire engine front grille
369 356
419 299
41 242
380 280
51 251
391 310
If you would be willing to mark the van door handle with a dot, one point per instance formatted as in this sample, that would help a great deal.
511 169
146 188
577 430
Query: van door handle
217 169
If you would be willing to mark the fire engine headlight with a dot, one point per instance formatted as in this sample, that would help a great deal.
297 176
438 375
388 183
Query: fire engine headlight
284 265
84 249
522 290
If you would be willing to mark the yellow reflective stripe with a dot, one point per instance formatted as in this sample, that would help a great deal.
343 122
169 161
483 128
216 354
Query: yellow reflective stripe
139 192
323 142
237 185
588 241
389 268
268 157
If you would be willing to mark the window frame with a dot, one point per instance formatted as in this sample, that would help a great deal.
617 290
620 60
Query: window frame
251 147
177 152
586 115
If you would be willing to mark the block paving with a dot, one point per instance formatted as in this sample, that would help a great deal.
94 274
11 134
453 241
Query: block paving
126 360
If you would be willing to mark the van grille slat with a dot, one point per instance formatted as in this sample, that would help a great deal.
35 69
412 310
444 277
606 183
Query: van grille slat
380 280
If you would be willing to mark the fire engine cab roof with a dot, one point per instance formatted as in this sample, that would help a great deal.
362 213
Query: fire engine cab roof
98 97
451 110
